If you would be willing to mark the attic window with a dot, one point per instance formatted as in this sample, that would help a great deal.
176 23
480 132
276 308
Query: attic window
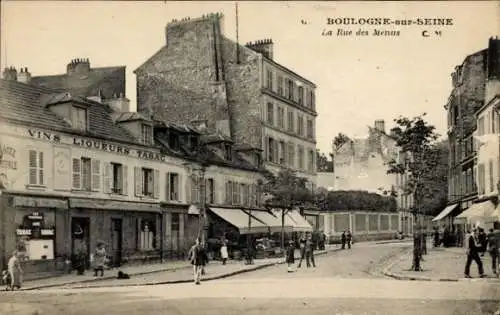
147 134
228 152
79 118
173 141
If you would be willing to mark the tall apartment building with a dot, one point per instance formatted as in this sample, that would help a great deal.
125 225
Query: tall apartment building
238 91
469 82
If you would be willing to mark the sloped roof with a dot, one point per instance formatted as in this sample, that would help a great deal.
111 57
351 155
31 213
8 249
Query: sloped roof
108 81
129 116
24 104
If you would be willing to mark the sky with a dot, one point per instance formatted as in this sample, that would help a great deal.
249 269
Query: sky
359 79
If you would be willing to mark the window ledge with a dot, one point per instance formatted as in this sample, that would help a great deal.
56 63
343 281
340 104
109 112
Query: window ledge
36 187
83 192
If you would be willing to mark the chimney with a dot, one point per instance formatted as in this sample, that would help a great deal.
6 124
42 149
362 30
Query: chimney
264 47
10 73
24 76
119 104
78 66
380 125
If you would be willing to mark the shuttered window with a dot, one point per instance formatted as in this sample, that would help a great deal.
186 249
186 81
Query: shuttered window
36 168
86 174
147 182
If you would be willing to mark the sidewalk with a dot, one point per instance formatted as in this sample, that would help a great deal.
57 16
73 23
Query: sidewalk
440 264
151 274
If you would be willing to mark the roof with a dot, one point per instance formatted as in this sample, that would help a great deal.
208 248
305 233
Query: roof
182 128
215 137
22 104
129 116
108 81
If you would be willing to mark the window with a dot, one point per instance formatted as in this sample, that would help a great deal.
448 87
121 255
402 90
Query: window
301 157
480 126
310 165
147 229
300 125
254 195
229 193
301 95
117 179
147 134
147 182
491 180
172 187
195 189
173 140
310 131
228 152
281 117
291 155
270 113
210 191
311 101
79 118
269 79
271 150
291 87
36 176
280 85
245 195
86 171
282 153
236 194
290 121
481 178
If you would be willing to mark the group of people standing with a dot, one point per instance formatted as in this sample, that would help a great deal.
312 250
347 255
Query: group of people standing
306 247
478 243
346 239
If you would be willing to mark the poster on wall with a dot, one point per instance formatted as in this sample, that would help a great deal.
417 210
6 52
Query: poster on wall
35 237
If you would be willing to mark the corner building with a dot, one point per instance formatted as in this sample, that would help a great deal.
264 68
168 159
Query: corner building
240 91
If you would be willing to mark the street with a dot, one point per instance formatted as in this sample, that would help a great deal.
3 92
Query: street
342 283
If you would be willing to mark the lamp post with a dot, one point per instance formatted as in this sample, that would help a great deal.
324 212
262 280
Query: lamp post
198 174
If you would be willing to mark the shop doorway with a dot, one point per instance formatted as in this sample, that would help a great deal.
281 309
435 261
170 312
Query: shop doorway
116 242
80 241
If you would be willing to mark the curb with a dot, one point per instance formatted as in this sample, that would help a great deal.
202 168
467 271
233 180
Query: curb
216 277
397 276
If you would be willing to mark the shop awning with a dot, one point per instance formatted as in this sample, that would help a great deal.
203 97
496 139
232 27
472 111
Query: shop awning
113 205
273 222
239 219
443 214
301 224
479 213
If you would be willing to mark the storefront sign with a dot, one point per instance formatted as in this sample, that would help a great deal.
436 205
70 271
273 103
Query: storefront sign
101 145
7 157
34 226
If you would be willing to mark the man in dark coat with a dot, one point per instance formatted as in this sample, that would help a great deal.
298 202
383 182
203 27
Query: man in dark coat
473 249
302 248
309 249
199 258
493 249
343 239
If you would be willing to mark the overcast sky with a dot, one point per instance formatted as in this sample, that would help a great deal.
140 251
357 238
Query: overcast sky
359 79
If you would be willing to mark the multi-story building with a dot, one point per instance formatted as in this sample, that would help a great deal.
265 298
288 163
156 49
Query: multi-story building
239 91
362 164
487 147
468 95
76 169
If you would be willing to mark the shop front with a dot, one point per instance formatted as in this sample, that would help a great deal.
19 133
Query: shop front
34 227
131 231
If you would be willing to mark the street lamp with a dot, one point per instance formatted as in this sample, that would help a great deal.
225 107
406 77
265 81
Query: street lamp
198 175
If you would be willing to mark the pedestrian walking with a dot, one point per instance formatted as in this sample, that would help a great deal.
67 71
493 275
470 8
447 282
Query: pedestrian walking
343 239
483 240
473 249
349 239
290 255
436 238
99 259
15 271
302 248
223 252
493 250
198 257
310 252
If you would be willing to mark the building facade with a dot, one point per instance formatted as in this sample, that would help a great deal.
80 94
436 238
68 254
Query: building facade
240 91
473 88
75 171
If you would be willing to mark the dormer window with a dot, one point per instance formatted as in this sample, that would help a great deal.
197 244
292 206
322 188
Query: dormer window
228 152
173 141
147 134
79 118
